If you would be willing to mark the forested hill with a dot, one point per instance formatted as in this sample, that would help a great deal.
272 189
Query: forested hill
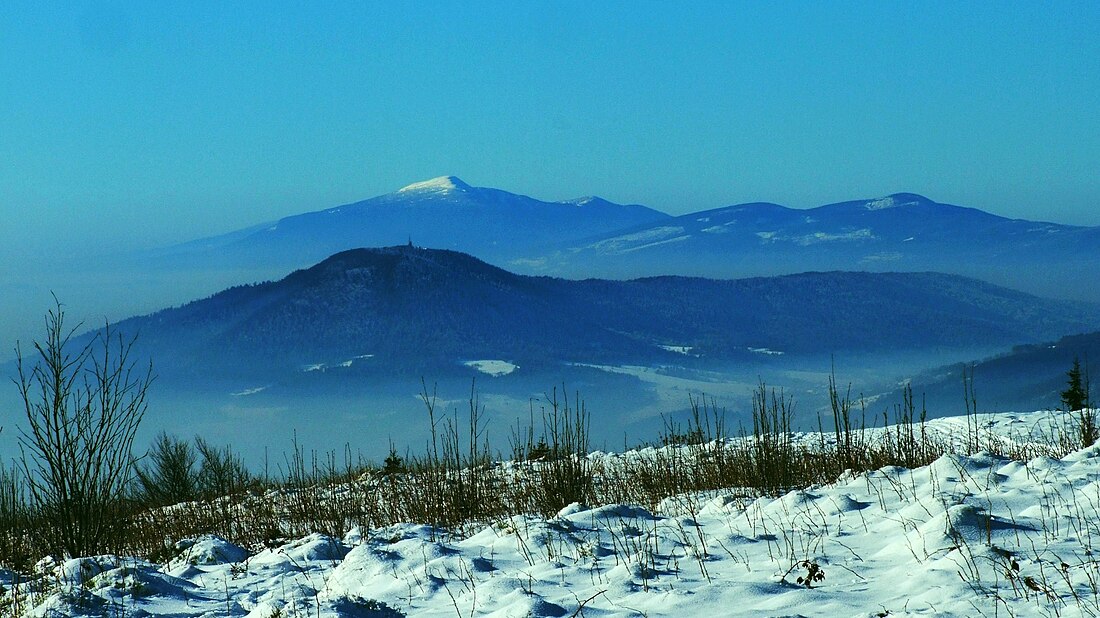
410 308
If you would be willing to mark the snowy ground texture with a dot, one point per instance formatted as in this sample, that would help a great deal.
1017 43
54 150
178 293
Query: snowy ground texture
965 536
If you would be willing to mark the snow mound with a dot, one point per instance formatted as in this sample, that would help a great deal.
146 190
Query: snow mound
967 535
206 550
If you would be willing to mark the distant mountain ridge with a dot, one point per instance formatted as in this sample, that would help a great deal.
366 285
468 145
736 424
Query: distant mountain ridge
409 309
900 232
592 237
443 212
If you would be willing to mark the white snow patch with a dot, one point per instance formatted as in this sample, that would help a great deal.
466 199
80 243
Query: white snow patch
442 184
820 237
765 351
672 385
1046 229
495 368
717 229
659 242
679 349
342 364
886 202
638 240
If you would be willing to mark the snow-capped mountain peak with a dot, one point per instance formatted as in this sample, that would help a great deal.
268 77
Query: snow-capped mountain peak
883 203
897 200
442 184
588 200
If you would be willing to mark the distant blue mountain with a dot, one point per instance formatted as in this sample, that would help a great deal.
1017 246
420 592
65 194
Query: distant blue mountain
900 232
592 237
442 212
405 310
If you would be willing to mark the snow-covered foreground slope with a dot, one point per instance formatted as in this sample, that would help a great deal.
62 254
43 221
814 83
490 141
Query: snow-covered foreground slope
964 536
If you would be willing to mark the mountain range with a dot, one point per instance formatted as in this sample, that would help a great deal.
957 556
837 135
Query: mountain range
592 237
403 310
900 232
708 302
442 212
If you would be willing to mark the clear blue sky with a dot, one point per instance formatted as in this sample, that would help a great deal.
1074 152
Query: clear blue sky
144 123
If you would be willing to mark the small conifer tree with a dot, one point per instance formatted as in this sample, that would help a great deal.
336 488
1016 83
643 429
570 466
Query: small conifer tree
1076 395
1076 399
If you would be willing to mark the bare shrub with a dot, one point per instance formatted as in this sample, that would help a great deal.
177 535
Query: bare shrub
221 471
168 475
83 407
563 475
15 551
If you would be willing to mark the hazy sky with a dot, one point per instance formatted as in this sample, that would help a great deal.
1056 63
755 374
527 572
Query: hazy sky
129 124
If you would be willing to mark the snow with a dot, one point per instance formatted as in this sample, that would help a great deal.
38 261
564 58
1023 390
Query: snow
658 243
495 368
847 236
1045 229
964 536
679 349
813 238
647 238
341 364
881 204
887 202
671 387
766 351
442 184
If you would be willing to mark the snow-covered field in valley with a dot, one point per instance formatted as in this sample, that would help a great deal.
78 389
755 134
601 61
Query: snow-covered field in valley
965 536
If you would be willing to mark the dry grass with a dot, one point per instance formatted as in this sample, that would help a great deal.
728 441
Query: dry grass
457 485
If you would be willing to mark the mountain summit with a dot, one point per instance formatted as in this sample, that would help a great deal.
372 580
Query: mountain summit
441 184
897 200
445 212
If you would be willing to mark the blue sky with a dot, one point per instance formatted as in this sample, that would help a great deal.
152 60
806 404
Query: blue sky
145 123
